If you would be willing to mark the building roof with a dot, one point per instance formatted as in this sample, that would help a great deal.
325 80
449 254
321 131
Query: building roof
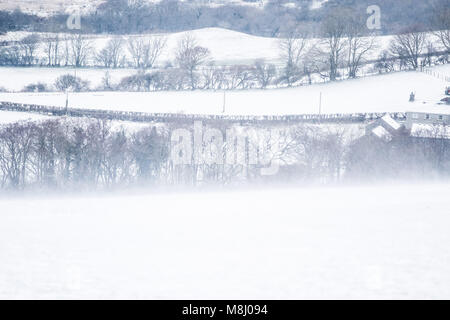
421 130
382 133
391 122
431 109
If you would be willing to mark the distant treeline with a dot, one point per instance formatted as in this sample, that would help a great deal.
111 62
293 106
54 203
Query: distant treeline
90 154
124 17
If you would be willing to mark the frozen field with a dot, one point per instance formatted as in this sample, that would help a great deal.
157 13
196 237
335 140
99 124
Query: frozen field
367 242
381 93
9 117
16 78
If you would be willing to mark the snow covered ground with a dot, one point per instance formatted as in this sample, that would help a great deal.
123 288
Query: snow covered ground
381 93
16 78
10 116
362 242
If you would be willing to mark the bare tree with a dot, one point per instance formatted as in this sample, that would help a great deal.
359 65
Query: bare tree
69 81
189 56
292 47
80 49
52 49
358 44
29 46
264 73
333 45
11 56
441 23
430 51
110 56
408 46
385 63
16 144
48 49
309 63
213 77
145 52
66 50
241 77
117 161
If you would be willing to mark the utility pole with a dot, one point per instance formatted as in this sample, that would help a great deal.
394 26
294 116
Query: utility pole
320 103
224 101
67 100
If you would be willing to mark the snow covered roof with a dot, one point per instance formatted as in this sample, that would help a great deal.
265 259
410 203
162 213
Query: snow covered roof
382 133
420 130
316 4
391 122
432 109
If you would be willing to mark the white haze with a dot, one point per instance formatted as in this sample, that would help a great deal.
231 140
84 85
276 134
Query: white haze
349 242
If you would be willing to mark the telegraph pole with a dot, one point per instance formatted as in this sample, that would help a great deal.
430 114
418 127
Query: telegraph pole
224 101
320 103
67 100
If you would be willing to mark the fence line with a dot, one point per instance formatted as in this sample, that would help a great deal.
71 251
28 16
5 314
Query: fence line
436 74
180 118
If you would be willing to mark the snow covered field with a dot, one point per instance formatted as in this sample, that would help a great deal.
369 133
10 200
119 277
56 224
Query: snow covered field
10 116
16 78
362 242
381 93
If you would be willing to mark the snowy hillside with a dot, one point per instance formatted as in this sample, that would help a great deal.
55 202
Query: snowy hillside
382 93
227 47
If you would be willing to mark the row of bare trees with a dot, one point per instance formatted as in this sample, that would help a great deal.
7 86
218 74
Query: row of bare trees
78 50
66 154
58 154
343 46
259 75
22 53
341 53
346 45
342 50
